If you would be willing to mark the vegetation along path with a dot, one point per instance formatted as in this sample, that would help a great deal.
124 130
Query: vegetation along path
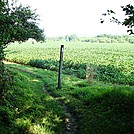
70 121
78 107
70 126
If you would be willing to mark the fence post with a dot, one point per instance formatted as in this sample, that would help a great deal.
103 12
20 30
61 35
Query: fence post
60 66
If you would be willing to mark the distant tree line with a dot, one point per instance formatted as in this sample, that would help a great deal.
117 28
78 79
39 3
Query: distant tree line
103 38
67 38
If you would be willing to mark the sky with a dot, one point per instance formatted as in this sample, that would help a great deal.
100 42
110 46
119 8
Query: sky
80 17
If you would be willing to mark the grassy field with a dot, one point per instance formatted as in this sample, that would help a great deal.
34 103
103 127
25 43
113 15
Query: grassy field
104 105
112 63
99 108
25 108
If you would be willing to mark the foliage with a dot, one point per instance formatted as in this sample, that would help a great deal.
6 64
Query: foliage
104 38
129 17
45 64
17 23
67 38
26 25
108 62
129 21
1 67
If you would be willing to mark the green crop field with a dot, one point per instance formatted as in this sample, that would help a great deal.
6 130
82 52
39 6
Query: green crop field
112 63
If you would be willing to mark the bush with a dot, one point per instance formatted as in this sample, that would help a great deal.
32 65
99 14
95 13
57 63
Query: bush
45 64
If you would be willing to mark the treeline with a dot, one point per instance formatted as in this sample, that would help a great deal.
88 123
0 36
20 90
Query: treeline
68 38
104 38
109 39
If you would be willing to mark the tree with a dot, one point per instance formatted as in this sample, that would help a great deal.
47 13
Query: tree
128 21
17 23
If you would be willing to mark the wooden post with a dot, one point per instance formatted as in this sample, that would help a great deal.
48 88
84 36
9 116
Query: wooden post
60 66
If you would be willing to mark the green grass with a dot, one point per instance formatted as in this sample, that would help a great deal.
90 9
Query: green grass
102 105
111 63
98 107
25 108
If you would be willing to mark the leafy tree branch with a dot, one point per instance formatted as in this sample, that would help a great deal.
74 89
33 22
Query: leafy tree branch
129 17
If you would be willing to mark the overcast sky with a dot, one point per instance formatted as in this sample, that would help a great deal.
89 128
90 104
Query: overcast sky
81 17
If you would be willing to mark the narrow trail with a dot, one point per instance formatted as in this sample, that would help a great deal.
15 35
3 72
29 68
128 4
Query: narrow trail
70 121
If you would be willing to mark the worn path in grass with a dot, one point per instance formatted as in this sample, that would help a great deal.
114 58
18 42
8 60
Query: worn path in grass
70 121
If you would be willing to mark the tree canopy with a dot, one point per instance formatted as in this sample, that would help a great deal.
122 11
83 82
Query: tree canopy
17 23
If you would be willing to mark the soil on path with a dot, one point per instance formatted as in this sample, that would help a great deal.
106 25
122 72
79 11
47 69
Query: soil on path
70 121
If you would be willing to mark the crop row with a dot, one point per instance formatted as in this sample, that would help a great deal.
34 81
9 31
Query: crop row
108 62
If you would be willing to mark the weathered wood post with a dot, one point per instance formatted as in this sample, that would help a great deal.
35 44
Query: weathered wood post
60 66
